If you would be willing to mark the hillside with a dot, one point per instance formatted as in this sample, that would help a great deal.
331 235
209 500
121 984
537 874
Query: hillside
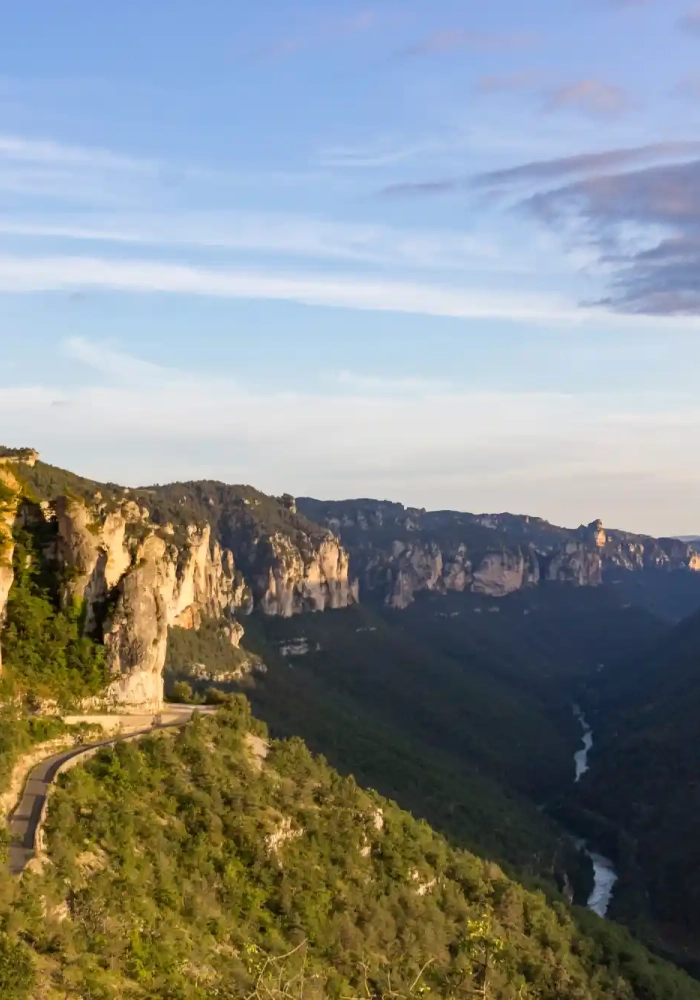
441 671
645 774
462 715
191 866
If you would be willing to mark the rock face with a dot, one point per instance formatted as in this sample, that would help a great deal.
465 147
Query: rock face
501 573
136 581
398 552
576 564
291 580
135 573
9 487
140 561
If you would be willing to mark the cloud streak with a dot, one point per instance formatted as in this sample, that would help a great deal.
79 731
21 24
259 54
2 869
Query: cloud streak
536 171
586 163
458 39
22 275
646 226
554 453
592 96
266 234
20 149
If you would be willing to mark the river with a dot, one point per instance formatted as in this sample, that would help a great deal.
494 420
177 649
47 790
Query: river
604 874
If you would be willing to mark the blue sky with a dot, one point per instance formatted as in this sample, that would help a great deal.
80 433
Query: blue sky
445 253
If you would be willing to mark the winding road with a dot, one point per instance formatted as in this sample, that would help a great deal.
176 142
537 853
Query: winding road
26 819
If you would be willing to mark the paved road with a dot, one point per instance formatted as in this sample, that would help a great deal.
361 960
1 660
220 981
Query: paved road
25 819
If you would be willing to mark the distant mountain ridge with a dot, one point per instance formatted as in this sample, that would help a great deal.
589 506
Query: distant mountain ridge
398 551
131 563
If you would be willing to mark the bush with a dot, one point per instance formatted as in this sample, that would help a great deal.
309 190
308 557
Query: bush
17 975
182 693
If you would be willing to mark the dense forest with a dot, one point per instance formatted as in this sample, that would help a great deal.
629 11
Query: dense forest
206 863
644 778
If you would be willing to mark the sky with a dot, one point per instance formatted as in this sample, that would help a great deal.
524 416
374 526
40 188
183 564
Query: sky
443 253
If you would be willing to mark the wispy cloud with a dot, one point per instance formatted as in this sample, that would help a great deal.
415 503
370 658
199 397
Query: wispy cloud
23 274
357 382
382 153
411 189
587 163
591 96
458 39
690 22
314 36
75 173
276 234
646 227
20 149
536 171
550 452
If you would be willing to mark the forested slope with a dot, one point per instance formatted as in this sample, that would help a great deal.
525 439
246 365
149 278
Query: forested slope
645 774
186 867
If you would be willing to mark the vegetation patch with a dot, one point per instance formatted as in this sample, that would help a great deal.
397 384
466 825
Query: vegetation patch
189 903
45 654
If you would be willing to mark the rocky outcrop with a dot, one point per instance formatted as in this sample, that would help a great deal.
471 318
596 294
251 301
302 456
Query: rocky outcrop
294 578
135 582
399 552
134 574
408 568
9 498
576 564
501 573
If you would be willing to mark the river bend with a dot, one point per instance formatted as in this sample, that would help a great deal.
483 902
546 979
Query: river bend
604 874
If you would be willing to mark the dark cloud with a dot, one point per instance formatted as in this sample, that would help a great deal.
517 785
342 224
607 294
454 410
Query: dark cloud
546 170
643 222
615 212
690 22
410 190
456 39
663 195
591 96
585 163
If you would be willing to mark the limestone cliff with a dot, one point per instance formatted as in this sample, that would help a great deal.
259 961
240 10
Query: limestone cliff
138 562
290 563
501 573
135 582
577 564
398 551
408 568
9 496
290 580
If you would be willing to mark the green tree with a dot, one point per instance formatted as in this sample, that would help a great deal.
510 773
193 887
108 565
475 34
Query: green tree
17 975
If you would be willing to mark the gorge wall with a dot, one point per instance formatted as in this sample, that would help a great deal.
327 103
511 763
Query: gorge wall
396 552
137 562
135 574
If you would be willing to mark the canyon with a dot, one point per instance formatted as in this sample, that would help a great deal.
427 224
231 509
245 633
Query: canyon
138 562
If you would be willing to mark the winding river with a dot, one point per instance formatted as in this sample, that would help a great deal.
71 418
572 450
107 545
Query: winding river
604 874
